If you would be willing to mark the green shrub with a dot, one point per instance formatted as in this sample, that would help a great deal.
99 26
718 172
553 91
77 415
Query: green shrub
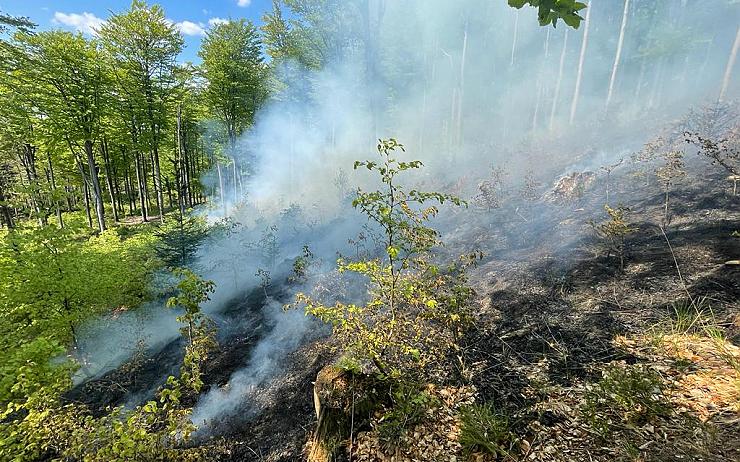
631 396
484 429
407 408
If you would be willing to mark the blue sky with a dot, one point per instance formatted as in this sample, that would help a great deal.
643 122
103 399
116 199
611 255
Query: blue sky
192 16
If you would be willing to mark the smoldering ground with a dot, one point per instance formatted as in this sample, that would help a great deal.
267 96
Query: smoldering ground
465 86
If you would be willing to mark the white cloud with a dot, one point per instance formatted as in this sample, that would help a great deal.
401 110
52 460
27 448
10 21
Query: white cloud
86 22
243 3
191 28
214 21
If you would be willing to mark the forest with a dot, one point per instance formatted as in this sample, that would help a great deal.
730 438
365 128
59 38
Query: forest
370 230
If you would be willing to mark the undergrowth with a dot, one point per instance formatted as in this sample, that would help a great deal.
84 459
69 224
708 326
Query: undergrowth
626 397
485 429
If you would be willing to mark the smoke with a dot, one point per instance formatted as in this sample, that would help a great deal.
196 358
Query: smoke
288 330
464 85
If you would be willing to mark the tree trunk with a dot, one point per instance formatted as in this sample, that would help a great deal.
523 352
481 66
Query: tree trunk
5 210
514 39
127 183
221 188
180 165
463 57
730 65
85 191
109 178
581 59
555 98
169 189
95 182
28 161
236 185
53 182
156 173
140 180
188 198
615 67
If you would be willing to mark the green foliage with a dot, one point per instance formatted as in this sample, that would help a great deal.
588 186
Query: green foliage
549 11
179 240
52 279
198 330
672 169
408 404
631 396
40 426
232 62
301 266
483 428
416 309
613 232
18 22
269 247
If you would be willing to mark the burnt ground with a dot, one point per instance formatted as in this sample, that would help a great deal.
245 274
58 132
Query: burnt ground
550 303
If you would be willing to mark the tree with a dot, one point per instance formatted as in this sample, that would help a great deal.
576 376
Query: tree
725 153
179 240
668 173
581 59
70 79
730 65
618 54
613 232
144 45
415 309
16 22
232 64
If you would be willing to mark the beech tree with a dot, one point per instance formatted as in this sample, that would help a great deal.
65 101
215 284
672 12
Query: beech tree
233 67
70 80
144 45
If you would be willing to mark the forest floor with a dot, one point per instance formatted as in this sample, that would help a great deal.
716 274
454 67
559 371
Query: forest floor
588 362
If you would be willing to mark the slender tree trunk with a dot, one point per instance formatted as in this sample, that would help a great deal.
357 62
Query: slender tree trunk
556 97
28 160
169 189
140 180
236 185
540 79
730 65
156 172
5 210
186 168
53 182
85 191
149 171
221 189
462 86
127 182
95 181
615 67
109 178
117 189
514 39
180 166
581 59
